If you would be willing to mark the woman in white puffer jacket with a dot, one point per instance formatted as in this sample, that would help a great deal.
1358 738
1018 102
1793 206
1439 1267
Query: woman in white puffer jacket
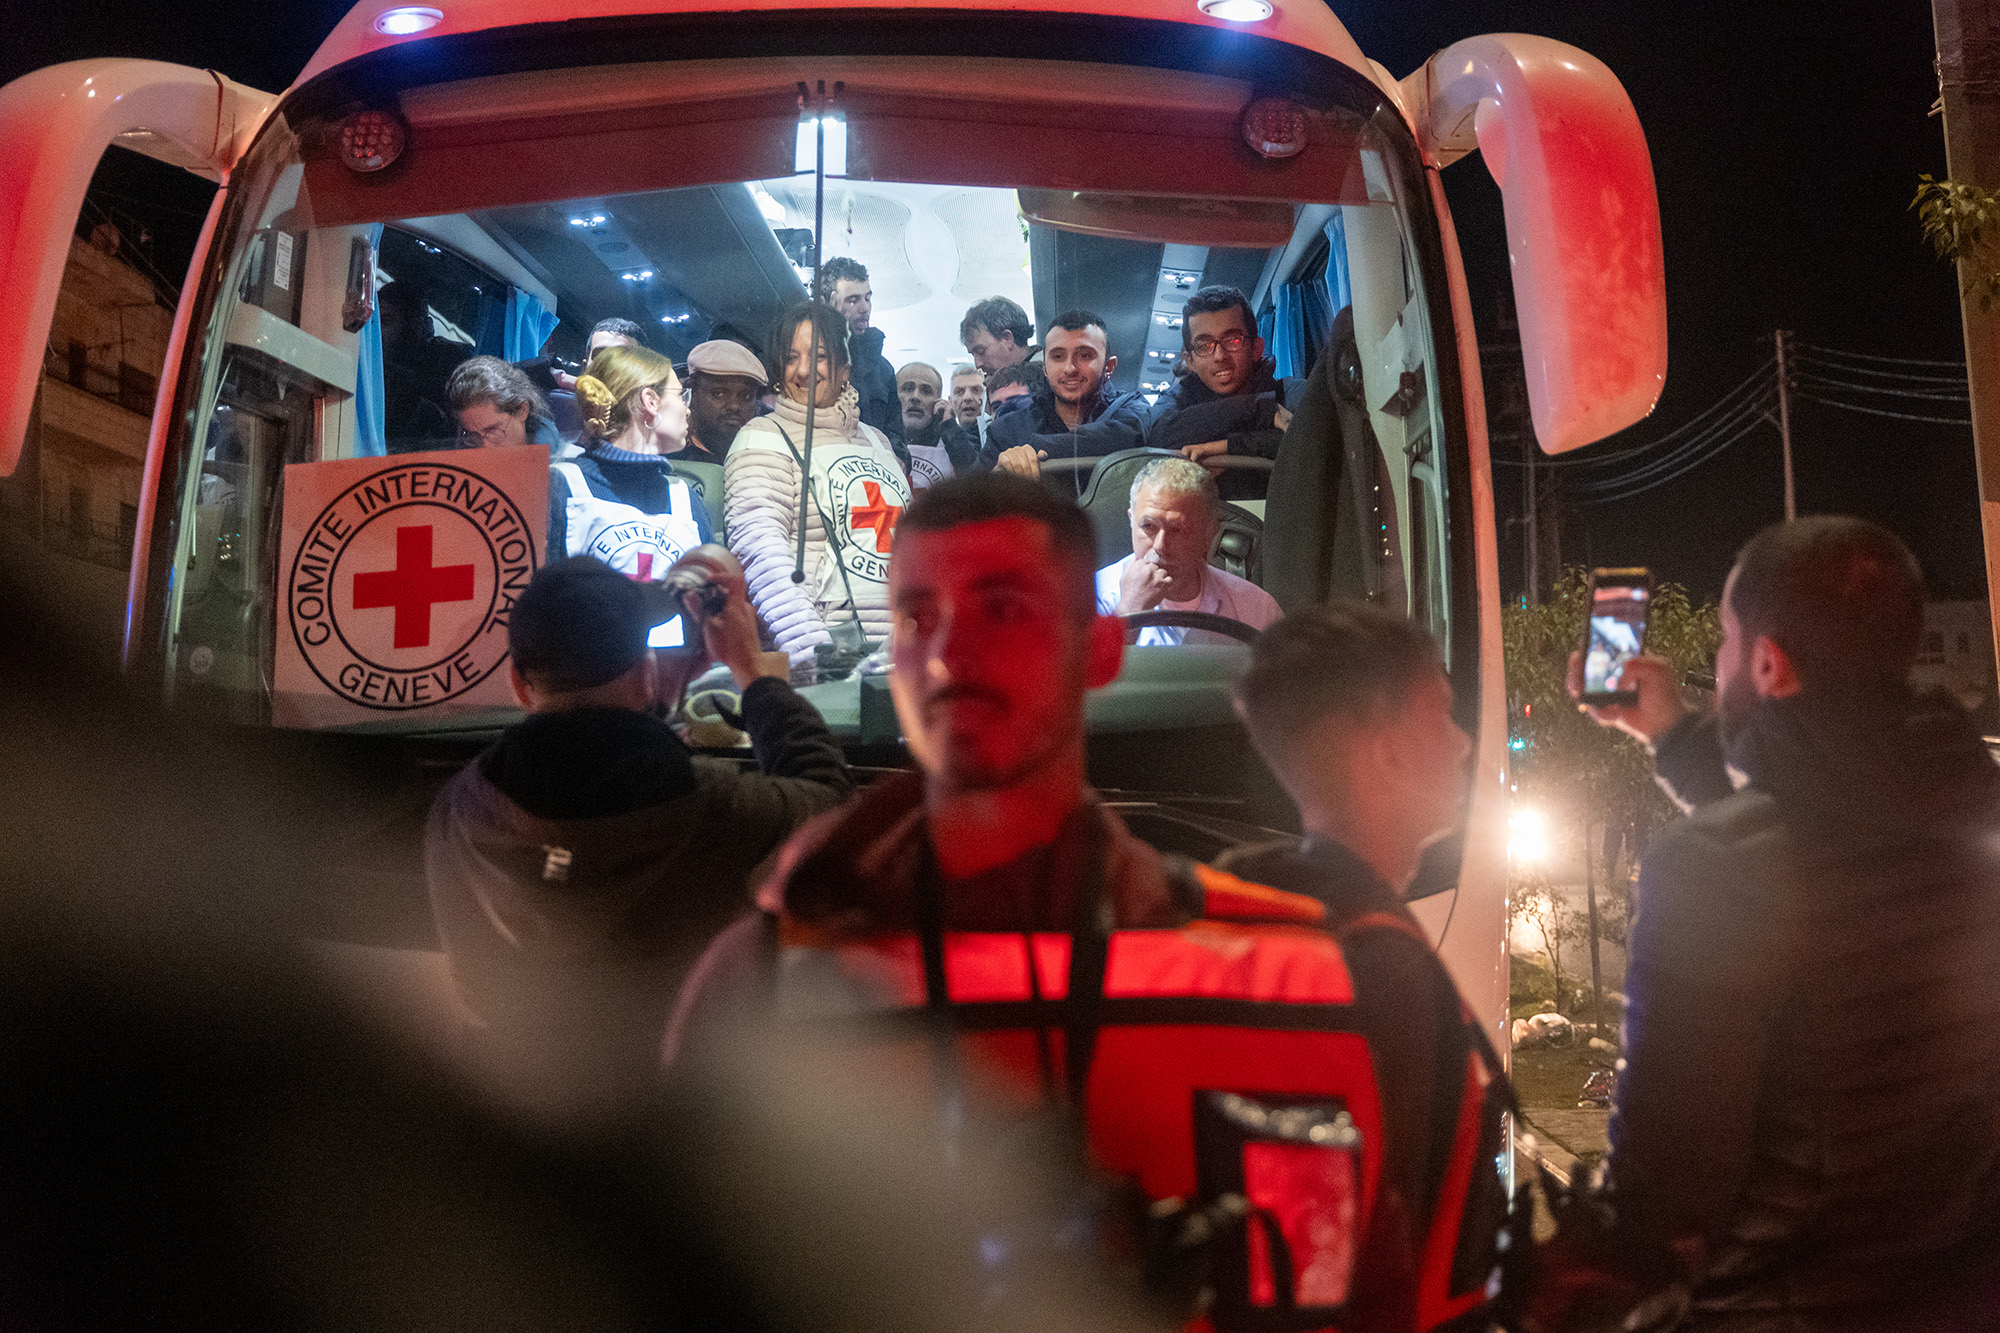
859 490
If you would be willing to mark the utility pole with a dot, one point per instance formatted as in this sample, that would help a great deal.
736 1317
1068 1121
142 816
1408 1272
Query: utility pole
1785 423
1532 569
1968 46
1590 902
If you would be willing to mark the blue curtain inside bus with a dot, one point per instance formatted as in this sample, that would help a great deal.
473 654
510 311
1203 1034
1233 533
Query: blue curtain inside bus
1338 290
529 324
1298 325
370 430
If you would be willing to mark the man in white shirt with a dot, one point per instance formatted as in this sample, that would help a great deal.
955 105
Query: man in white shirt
1176 518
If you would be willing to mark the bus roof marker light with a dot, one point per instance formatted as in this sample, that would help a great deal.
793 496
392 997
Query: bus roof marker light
371 140
1274 127
1236 11
407 20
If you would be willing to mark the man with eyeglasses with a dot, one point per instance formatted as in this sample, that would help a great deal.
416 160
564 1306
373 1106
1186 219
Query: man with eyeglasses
1229 400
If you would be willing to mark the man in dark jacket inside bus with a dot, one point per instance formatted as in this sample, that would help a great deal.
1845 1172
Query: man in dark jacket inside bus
578 866
844 285
1807 1133
1230 400
1076 413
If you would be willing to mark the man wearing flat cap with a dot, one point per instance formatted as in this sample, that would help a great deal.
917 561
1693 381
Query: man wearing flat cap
724 381
577 868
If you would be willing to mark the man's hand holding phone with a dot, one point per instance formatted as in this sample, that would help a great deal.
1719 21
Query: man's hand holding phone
1657 709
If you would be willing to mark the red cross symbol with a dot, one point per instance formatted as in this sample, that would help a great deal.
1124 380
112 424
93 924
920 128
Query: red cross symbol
878 514
413 587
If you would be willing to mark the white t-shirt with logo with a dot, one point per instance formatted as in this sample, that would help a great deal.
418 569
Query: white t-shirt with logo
1222 594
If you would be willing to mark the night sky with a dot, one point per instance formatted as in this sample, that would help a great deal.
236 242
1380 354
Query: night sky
1787 138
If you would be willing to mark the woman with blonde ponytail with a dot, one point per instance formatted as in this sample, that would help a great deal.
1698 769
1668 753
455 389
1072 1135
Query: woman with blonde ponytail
621 500
848 495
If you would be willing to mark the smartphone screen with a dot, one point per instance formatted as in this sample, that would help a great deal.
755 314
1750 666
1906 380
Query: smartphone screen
1618 605
669 634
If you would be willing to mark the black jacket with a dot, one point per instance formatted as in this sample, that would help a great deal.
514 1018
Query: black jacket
1112 421
1688 763
578 867
1419 1037
874 380
1810 1110
1192 413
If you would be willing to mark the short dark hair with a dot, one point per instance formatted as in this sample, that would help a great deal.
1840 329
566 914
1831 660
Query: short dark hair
624 328
1027 374
1211 299
839 269
580 623
1340 658
1076 321
502 383
832 336
997 315
983 496
1842 596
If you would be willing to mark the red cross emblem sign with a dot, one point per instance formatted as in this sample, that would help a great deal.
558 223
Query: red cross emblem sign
414 586
877 514
398 578
869 495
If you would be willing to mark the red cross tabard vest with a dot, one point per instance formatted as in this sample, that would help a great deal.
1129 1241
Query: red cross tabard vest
1224 1063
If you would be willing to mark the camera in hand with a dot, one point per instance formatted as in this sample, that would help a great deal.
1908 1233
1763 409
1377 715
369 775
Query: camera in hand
675 634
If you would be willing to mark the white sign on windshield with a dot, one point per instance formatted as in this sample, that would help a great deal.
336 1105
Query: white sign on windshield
397 578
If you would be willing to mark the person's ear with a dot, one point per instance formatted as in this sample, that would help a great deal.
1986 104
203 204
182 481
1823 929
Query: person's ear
1772 674
1110 366
524 693
1106 651
520 413
1256 349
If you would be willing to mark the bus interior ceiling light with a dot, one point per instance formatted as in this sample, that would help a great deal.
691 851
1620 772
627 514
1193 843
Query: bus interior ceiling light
371 140
814 113
405 20
1236 11
1274 127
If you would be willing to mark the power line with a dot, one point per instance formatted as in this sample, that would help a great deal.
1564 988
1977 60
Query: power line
1883 360
1892 376
1824 382
1681 461
1884 412
1675 475
1709 416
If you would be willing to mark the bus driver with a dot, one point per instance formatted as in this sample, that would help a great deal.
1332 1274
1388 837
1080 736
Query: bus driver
1176 517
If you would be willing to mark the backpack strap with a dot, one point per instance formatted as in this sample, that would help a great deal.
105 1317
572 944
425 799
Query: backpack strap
571 473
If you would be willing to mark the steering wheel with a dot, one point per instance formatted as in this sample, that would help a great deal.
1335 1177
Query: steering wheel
1228 462
1223 625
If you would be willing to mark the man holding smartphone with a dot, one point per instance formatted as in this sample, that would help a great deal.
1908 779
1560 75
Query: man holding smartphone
578 866
1641 695
1807 1132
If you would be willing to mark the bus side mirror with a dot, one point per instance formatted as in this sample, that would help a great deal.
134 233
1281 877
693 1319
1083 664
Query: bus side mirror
1583 222
54 127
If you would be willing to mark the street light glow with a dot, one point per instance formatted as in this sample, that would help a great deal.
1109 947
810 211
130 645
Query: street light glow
1527 836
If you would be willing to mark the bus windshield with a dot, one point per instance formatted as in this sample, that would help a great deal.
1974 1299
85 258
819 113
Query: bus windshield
1008 250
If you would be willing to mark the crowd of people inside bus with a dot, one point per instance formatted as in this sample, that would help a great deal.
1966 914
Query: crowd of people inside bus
655 459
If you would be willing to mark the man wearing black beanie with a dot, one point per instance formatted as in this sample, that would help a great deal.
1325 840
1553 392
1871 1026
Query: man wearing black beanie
578 866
